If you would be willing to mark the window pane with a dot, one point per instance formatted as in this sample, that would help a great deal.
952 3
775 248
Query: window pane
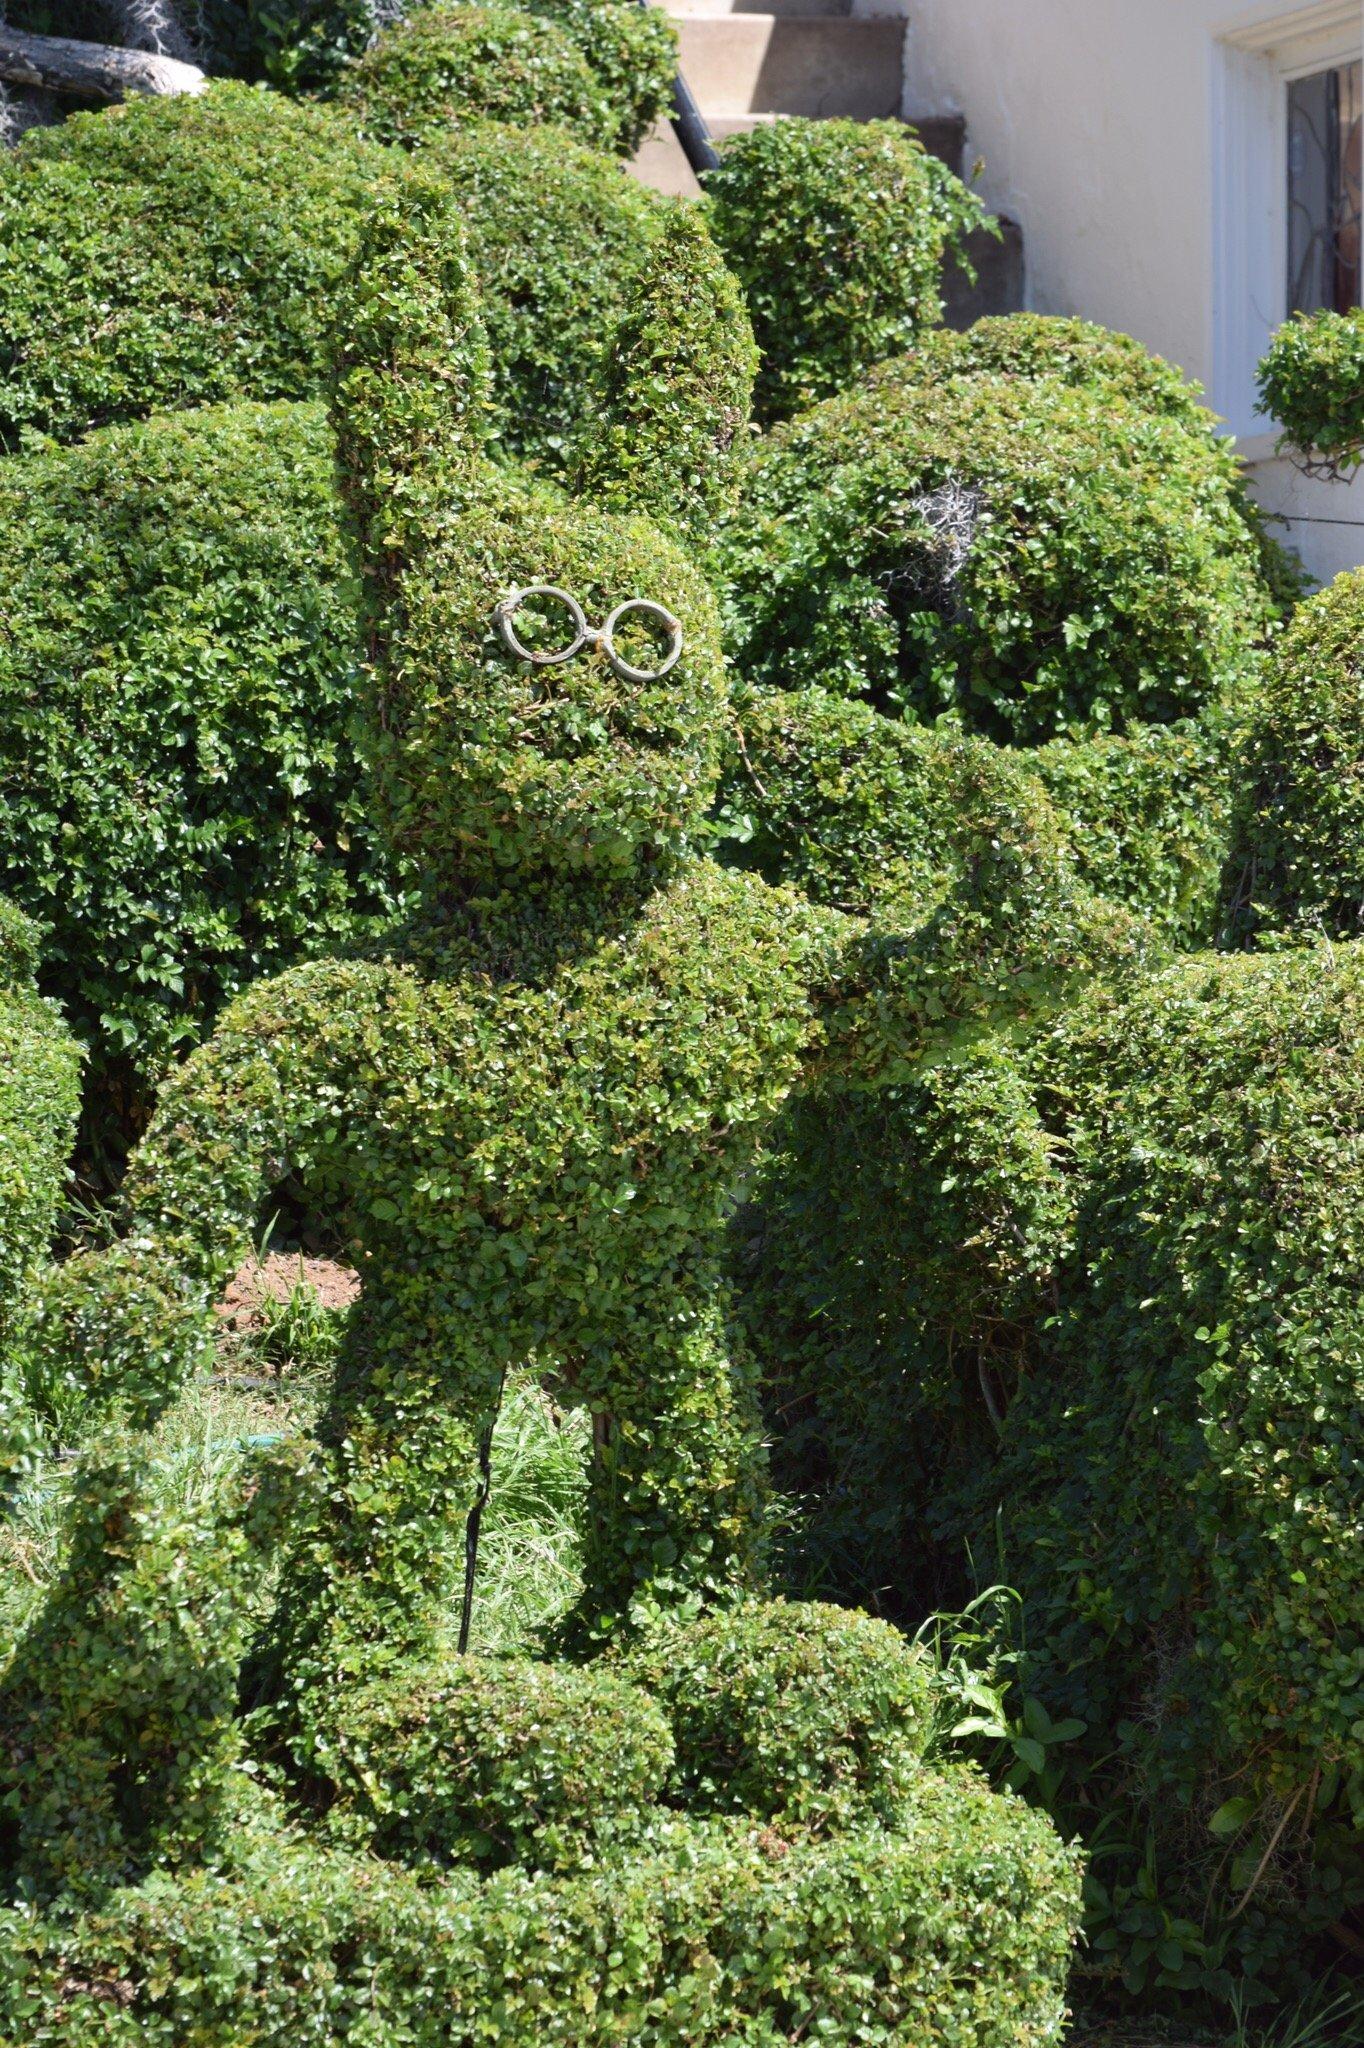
1324 189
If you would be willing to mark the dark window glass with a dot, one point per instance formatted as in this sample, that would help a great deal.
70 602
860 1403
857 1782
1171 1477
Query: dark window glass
1324 189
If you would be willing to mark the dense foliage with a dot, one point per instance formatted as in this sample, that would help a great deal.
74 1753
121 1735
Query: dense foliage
838 231
446 65
1297 859
1030 558
180 800
721 1931
173 252
520 1088
38 1093
1312 382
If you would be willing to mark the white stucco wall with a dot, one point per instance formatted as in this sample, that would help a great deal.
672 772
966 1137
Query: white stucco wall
1104 129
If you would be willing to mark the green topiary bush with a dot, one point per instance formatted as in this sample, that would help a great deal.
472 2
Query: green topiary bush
173 252
39 1083
1073 352
1030 559
956 1928
179 788
1297 856
500 1760
1312 382
450 64
798 1713
838 231
1181 1474
527 1108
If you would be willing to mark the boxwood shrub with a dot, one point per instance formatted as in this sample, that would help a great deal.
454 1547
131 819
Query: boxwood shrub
259 203
1180 1477
180 798
1028 558
39 1092
791 1711
173 252
1297 857
500 1760
838 231
956 1928
1312 381
449 64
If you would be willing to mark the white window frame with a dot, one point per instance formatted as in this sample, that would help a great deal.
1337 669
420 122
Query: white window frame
1253 65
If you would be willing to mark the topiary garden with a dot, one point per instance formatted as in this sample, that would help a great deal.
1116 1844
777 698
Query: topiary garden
771 891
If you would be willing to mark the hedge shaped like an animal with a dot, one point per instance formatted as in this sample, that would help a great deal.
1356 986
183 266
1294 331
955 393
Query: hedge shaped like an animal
533 1106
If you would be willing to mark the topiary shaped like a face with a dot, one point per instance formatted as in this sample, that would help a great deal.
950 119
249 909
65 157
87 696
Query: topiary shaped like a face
491 765
491 761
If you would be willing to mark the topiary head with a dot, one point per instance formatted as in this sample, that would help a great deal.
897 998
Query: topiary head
493 761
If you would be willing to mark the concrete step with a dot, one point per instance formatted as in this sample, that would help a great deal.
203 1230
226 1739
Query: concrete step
788 10
770 64
1000 278
661 162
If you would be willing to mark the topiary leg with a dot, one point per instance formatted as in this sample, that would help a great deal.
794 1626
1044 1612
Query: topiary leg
678 1483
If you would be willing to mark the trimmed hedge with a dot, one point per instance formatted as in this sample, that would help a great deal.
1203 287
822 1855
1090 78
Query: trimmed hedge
1181 1476
791 1711
1031 559
259 204
1312 381
39 1092
838 232
173 252
956 1928
445 65
180 796
312 46
1110 364
498 1761
1297 857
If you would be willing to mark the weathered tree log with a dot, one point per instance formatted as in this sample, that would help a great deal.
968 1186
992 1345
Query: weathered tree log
92 70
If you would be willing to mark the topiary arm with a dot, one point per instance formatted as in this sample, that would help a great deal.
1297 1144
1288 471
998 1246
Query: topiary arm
955 855
278 1089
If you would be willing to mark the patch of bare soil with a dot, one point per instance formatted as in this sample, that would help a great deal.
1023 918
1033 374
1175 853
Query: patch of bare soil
274 1278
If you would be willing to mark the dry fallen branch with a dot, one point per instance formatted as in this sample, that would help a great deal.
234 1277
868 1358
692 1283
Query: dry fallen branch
92 70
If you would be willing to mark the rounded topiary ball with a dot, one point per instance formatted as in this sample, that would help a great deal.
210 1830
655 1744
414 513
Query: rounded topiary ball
180 797
1075 352
1297 859
837 231
173 252
495 1761
1027 558
448 65
791 1710
1312 381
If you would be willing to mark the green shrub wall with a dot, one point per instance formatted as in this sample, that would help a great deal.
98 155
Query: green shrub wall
1296 862
838 231
955 1930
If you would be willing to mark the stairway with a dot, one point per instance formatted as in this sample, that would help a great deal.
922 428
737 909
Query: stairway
815 57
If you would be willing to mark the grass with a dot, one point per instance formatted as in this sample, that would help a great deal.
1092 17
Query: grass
270 1380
